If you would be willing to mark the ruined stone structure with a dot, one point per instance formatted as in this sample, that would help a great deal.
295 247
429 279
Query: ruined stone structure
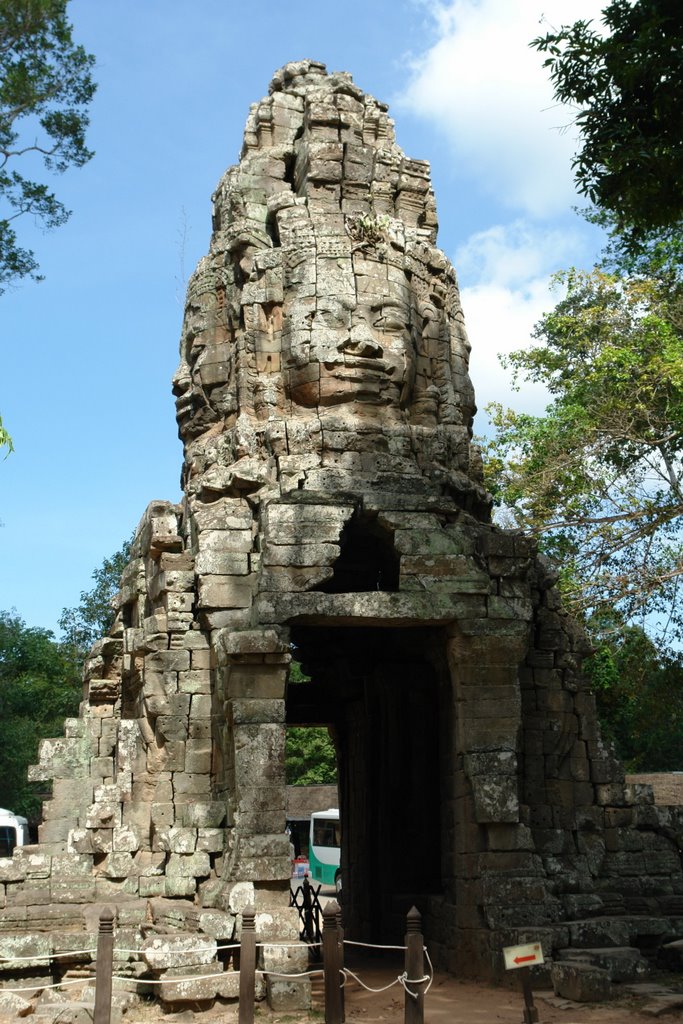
334 510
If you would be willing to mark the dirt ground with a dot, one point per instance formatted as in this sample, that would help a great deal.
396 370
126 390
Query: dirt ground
448 1001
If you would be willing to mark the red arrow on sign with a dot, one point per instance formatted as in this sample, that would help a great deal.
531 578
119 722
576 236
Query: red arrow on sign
524 959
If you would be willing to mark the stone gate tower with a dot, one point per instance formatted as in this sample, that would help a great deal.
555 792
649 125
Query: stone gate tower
334 510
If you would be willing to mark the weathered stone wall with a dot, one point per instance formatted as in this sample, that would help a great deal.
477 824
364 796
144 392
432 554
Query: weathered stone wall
333 503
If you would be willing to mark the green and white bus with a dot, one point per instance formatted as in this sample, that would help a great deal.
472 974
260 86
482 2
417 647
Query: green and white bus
324 848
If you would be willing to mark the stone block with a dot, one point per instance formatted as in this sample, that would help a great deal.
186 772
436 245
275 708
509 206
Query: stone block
152 886
12 870
14 1005
191 865
186 784
212 840
208 814
171 727
74 890
594 932
178 886
176 840
219 983
285 995
161 952
32 950
162 814
581 983
56 831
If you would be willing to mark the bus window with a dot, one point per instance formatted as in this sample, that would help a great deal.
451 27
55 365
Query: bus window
8 840
326 832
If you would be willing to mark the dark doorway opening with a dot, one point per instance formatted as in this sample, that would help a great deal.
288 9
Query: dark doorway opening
384 694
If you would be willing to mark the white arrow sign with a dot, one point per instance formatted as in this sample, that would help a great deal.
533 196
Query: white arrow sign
522 956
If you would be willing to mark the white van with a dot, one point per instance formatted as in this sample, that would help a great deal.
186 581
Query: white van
13 832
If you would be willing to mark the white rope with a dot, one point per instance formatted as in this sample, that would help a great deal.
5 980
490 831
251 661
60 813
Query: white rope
385 988
186 952
431 968
45 956
370 945
39 986
289 945
276 974
175 979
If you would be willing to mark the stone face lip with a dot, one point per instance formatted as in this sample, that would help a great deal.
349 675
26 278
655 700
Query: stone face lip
334 513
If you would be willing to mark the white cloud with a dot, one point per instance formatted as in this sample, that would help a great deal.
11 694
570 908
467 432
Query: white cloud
513 254
507 269
488 92
500 319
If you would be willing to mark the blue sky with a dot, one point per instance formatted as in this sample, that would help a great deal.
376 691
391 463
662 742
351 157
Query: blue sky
88 354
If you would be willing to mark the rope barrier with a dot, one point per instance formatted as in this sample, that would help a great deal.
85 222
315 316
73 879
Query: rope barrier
401 979
370 945
289 945
45 956
277 974
385 988
40 986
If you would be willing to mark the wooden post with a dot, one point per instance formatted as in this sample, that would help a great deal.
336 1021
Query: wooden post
332 977
414 968
530 1011
103 967
247 967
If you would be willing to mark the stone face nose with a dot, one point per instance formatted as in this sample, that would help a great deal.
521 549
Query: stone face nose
362 342
181 379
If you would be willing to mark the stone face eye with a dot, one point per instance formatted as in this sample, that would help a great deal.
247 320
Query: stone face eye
391 320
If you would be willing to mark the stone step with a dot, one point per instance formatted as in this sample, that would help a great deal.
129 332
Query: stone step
622 963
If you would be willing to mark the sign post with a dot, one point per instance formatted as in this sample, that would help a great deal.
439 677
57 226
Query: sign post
522 958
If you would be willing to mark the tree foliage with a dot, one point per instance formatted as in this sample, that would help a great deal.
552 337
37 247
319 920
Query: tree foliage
627 86
5 440
599 477
40 686
639 693
45 88
309 758
93 617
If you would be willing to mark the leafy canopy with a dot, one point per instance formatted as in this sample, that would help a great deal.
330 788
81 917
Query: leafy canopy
93 617
639 694
599 477
40 686
310 757
5 440
45 87
627 87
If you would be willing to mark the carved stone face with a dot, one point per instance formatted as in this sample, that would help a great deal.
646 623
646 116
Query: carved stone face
351 351
203 383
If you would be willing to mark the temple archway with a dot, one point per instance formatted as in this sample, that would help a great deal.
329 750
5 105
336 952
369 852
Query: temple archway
385 694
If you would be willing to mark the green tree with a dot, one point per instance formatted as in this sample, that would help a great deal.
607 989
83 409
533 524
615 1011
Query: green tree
40 686
309 756
599 477
639 693
93 617
45 88
627 88
5 440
